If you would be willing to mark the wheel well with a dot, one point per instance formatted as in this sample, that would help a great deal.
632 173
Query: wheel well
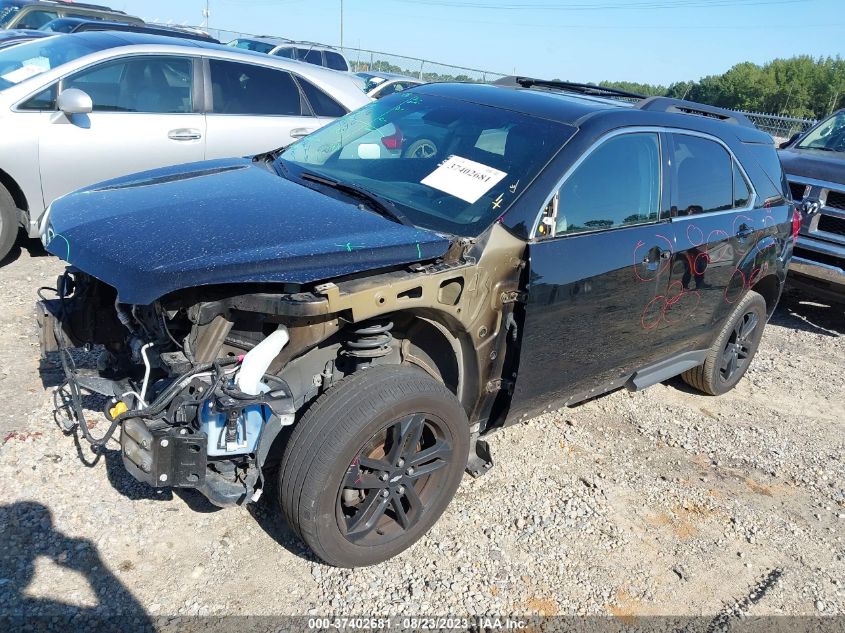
14 190
426 344
769 288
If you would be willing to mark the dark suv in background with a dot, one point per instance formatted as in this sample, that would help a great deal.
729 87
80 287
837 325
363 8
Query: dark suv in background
815 167
33 14
560 241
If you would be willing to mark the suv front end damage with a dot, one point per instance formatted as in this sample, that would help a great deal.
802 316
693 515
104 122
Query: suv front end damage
171 371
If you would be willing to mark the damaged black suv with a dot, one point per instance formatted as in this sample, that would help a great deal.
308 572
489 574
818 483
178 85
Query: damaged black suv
354 316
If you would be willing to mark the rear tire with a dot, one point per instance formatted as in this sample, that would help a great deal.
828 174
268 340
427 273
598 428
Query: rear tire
9 224
734 348
373 464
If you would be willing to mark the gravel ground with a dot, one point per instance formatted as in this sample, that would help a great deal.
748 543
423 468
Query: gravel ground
659 502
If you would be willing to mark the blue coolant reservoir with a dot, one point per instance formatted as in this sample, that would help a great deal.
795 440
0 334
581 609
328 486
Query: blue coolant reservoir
249 429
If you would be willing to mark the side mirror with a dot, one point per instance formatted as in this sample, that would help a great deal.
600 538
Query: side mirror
792 139
74 101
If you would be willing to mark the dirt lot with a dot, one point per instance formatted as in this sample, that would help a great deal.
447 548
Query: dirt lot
660 502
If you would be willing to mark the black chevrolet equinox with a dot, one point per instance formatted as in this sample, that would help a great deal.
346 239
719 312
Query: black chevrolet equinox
353 314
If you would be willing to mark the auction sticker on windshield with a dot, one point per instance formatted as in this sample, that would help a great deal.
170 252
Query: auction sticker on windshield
463 178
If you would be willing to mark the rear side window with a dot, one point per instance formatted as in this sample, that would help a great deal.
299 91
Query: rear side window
313 57
246 89
703 176
616 185
742 192
160 85
321 103
335 61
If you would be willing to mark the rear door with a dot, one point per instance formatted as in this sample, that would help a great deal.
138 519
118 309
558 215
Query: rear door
713 225
143 118
598 280
254 109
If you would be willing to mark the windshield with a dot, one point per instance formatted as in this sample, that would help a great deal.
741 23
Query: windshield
7 13
23 61
252 45
371 81
828 135
448 165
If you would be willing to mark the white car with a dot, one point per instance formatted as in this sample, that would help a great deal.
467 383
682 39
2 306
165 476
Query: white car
82 108
378 84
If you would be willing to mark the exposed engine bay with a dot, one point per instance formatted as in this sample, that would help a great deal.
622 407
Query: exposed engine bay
200 384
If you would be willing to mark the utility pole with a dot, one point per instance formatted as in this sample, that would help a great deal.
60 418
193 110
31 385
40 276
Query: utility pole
341 23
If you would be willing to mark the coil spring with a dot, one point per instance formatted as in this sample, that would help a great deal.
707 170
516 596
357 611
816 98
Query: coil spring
369 340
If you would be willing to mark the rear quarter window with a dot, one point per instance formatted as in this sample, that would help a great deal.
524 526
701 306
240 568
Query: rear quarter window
321 103
335 61
771 183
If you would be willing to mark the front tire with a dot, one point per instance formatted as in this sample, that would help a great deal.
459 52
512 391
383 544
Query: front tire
8 223
734 348
373 464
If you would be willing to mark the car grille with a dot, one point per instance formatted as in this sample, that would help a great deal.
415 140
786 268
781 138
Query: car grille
797 190
830 224
821 258
835 199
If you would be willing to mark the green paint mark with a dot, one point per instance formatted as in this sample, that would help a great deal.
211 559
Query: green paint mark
67 257
419 251
349 246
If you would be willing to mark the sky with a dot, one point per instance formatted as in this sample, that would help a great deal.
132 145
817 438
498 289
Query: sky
653 41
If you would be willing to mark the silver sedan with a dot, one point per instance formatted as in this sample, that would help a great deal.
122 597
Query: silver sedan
79 109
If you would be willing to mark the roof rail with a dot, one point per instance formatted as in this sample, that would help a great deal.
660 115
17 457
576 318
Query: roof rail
587 89
679 106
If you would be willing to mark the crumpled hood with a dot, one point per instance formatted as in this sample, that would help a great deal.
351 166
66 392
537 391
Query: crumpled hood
222 221
814 163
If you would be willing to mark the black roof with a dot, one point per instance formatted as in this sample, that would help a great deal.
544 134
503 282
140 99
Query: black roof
576 109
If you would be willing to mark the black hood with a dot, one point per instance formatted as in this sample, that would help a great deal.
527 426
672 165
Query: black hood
223 221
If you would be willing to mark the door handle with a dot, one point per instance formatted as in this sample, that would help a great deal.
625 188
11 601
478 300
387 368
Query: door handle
184 134
744 232
299 132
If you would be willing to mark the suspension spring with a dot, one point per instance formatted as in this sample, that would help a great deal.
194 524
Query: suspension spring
370 339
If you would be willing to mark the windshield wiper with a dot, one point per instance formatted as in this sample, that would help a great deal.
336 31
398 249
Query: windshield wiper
375 202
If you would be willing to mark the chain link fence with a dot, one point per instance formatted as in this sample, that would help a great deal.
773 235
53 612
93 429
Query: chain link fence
781 128
362 59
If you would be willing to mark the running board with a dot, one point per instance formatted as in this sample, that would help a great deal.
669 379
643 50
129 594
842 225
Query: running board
665 369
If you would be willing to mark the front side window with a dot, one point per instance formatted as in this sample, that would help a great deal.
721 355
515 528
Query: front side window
616 185
703 175
448 165
44 100
160 85
257 90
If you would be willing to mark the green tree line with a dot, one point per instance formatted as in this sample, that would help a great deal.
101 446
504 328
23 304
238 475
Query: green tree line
800 86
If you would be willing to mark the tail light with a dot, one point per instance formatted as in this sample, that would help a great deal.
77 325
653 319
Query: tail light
796 224
394 141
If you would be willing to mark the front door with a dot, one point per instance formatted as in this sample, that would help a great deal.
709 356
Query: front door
597 286
142 119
